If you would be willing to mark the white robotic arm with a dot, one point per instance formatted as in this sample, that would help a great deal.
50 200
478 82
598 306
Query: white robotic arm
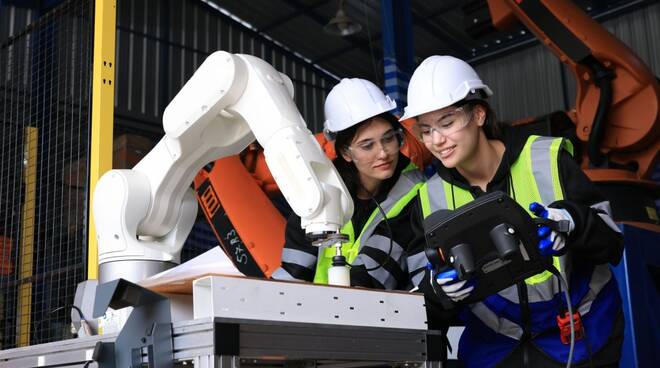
144 215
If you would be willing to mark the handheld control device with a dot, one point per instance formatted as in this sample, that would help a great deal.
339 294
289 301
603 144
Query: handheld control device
491 240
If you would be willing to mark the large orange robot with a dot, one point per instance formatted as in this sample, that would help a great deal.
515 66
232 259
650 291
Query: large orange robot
615 121
616 117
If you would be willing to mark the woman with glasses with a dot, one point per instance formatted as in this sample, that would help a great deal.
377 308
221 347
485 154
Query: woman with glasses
382 182
526 324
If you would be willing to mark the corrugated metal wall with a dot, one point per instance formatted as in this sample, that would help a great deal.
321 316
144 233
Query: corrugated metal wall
533 82
161 43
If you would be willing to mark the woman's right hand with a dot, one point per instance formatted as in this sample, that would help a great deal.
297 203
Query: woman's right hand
454 288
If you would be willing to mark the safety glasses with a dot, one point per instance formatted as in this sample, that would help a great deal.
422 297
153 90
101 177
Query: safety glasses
446 125
367 150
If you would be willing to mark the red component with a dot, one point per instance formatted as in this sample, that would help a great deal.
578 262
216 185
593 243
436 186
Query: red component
564 324
6 264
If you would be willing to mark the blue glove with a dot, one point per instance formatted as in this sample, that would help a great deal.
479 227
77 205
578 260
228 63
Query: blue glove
551 242
454 288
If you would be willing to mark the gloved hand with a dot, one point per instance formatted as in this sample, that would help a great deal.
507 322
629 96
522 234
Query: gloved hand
550 241
456 290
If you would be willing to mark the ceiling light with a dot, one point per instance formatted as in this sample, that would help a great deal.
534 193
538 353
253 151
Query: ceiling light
341 24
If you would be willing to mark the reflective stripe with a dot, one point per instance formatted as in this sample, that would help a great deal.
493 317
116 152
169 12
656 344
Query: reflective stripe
417 261
605 213
416 267
542 291
382 243
298 257
498 324
599 278
541 154
417 278
282 274
538 292
380 274
435 194
403 191
541 168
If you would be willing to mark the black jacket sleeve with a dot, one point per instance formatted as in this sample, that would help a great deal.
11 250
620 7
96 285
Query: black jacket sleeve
595 239
299 255
438 317
382 261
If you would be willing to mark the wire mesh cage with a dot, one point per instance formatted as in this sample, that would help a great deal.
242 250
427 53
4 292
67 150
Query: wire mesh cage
45 77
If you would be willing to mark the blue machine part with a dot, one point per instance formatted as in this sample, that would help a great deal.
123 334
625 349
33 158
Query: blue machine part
638 276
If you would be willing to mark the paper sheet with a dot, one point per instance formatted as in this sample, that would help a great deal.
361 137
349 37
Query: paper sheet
179 279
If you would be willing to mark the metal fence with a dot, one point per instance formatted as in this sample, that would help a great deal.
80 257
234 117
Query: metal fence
45 72
45 99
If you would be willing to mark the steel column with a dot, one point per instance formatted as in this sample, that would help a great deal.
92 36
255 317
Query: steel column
103 87
398 50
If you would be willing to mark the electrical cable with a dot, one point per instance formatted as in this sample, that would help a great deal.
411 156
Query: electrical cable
80 314
389 230
563 282
83 321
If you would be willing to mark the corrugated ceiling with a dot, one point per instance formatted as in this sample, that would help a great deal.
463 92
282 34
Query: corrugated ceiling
439 27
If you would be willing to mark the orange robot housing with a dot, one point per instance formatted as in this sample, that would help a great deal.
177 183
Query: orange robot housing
238 197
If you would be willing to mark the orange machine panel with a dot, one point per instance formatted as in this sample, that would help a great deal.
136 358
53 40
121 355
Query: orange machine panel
234 194
245 221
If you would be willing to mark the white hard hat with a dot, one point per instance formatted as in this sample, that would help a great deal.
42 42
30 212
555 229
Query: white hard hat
352 101
438 82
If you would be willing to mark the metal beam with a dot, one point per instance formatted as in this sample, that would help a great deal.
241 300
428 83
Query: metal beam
353 46
379 36
357 42
262 36
443 31
298 12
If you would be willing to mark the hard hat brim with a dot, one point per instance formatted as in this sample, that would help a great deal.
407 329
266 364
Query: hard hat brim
407 114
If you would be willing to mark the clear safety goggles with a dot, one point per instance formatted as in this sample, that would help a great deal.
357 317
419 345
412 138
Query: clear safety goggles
448 124
368 150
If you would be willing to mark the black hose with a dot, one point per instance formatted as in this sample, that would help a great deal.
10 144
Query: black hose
603 80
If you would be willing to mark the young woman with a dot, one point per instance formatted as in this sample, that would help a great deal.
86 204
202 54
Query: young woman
518 326
380 179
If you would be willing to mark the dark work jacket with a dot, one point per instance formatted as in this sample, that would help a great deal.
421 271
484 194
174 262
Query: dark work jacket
592 242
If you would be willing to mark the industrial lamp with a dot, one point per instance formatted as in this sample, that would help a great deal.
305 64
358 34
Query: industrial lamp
341 24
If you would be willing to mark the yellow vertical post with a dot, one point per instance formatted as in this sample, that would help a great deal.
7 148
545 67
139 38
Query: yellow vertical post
26 250
103 76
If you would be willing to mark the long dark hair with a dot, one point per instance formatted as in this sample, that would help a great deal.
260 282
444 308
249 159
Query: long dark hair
492 127
347 170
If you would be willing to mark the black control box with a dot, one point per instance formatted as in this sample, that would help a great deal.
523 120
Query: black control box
491 240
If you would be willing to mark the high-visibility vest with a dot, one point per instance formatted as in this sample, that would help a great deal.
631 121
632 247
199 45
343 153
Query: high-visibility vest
494 324
403 191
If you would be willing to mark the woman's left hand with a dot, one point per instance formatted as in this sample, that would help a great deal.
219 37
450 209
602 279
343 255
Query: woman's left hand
552 242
